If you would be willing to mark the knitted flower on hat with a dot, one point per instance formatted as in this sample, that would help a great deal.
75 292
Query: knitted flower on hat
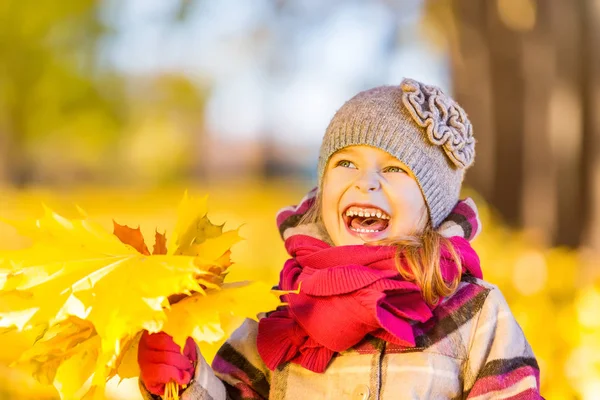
446 122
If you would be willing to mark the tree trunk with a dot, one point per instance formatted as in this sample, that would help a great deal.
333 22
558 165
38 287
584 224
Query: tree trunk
590 92
539 171
508 99
4 148
533 97
566 115
470 62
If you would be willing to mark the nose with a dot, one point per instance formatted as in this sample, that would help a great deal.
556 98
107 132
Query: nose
368 182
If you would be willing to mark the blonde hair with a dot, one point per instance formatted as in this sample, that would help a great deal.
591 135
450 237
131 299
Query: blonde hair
421 253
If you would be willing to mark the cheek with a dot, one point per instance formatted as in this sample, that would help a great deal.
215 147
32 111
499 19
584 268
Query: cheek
410 201
332 191
416 199
330 200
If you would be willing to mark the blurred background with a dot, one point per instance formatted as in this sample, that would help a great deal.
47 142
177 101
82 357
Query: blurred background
120 105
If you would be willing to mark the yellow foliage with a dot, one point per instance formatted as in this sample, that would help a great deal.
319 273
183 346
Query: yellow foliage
92 292
201 315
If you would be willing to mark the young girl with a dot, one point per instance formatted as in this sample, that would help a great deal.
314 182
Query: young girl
391 301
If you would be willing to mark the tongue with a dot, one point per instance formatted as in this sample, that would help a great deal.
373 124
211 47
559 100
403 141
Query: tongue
369 223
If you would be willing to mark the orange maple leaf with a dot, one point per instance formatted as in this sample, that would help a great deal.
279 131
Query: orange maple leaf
131 237
160 243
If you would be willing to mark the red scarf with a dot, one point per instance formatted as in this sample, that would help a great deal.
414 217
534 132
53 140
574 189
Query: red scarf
346 293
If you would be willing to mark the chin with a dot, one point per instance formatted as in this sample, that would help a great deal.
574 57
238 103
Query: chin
350 241
349 238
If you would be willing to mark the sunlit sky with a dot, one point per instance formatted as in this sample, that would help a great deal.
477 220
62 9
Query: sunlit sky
271 75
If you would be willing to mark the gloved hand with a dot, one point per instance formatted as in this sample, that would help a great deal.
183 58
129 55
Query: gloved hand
161 361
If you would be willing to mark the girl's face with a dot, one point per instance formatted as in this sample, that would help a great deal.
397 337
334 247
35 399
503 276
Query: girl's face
369 195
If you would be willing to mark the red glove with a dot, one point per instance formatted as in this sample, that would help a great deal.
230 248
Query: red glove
161 361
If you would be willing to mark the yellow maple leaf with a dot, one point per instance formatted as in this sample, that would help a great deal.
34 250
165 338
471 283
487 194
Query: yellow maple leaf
92 292
65 355
193 228
86 266
199 316
127 365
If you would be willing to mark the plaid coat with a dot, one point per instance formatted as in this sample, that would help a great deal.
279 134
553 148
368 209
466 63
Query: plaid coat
472 348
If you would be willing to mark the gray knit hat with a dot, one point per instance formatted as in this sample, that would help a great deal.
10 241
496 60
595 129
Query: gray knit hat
420 126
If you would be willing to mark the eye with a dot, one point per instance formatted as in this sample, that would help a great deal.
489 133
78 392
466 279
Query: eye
394 169
345 164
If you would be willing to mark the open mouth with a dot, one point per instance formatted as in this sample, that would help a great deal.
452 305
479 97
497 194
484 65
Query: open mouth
366 219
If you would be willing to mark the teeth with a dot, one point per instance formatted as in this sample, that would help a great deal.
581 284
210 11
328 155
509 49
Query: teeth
362 230
355 211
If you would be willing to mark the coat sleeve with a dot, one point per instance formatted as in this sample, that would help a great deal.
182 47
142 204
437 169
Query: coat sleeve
500 362
240 367
237 372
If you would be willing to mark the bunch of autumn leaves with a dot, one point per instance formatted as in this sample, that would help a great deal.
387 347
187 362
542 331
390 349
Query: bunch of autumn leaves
87 294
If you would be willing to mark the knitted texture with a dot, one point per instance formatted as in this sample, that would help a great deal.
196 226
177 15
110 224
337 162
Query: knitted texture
343 294
420 126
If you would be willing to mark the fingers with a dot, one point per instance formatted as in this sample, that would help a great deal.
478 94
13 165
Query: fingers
156 376
162 342
157 389
161 361
176 360
190 350
163 373
159 341
184 377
